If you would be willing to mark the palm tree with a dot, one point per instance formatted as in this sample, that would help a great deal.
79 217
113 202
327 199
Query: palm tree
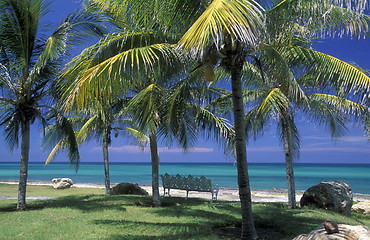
172 112
226 33
280 80
100 120
28 64
142 64
133 60
308 71
233 28
231 33
275 105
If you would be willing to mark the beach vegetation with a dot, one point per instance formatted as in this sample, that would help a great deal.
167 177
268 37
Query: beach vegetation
283 75
79 215
29 62
290 77
99 121
146 68
274 42
223 33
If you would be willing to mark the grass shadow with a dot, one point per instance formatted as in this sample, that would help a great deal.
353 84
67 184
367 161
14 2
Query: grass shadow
169 230
84 203
282 219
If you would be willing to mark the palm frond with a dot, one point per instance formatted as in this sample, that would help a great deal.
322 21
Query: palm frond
275 102
19 27
145 107
343 77
240 19
118 58
73 30
87 130
141 138
209 122
279 72
326 109
10 118
62 131
338 110
319 18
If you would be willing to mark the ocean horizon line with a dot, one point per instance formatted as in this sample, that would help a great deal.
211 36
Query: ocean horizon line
200 163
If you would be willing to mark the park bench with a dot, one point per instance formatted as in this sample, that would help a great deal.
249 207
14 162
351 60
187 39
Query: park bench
188 184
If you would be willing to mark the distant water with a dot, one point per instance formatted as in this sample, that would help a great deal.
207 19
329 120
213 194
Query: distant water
262 175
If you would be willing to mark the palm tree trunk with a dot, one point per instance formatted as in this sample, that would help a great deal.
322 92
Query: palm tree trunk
106 142
155 169
248 229
23 169
289 166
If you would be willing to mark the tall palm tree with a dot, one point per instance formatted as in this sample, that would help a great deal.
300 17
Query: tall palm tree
133 59
138 63
172 112
29 63
309 73
232 33
233 27
286 80
128 60
275 105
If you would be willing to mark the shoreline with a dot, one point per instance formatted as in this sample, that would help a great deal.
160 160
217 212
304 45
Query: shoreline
226 194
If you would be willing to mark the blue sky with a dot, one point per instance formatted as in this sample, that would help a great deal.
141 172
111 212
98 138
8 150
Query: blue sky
316 146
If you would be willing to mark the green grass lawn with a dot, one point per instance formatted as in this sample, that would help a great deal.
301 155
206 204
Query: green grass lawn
88 214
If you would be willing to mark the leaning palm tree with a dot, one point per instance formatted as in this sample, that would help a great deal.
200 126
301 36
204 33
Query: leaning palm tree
107 119
28 64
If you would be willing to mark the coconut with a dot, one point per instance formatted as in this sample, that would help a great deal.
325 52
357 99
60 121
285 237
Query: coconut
209 74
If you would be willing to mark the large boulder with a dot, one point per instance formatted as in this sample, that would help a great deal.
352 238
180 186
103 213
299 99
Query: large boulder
128 188
335 196
345 232
62 183
362 207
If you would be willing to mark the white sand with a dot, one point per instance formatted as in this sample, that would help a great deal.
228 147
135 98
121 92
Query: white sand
227 194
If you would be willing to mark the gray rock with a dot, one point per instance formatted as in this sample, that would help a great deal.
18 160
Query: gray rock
334 196
62 183
362 207
345 232
128 188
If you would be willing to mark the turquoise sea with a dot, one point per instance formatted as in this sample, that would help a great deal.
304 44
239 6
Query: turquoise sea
262 175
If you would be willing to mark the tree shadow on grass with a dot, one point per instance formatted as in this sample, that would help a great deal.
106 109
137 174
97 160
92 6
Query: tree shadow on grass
91 203
192 222
168 230
278 217
85 203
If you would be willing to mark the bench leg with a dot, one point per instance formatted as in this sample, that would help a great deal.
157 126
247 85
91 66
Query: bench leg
187 195
168 192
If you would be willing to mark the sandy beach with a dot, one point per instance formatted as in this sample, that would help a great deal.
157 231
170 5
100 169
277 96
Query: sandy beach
226 194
